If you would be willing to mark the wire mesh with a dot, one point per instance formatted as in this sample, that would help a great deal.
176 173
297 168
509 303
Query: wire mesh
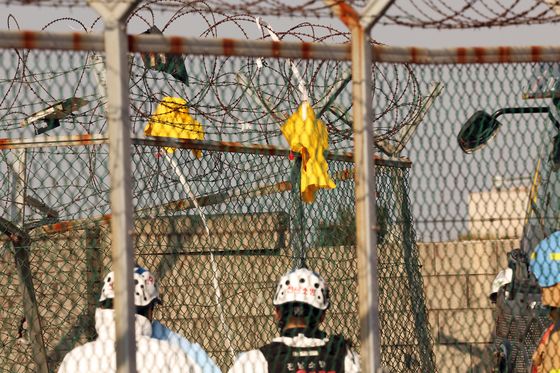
219 219
217 288
251 245
483 209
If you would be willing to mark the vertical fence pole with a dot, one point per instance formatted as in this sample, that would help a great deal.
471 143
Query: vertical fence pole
21 246
366 235
412 268
364 170
114 15
94 275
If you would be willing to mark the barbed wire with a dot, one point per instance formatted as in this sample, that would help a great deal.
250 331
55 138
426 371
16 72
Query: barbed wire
302 8
237 99
269 80
462 14
441 14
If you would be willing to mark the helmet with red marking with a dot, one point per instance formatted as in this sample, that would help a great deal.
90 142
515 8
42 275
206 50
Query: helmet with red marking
145 287
302 286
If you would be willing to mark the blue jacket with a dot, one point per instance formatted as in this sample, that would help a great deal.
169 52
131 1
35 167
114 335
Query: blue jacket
193 350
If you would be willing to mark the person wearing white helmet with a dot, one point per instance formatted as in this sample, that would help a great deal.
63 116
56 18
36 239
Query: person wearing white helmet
152 355
159 331
301 301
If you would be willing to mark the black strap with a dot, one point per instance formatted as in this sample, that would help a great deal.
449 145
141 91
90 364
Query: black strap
329 357
309 333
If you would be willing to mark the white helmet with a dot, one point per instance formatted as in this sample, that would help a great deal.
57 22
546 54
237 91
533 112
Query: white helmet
145 287
304 286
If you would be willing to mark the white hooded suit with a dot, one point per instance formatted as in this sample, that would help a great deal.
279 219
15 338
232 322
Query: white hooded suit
152 355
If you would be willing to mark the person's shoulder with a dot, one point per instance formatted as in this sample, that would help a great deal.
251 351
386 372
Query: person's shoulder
71 360
248 355
351 358
249 361
146 344
173 354
92 355
97 348
160 331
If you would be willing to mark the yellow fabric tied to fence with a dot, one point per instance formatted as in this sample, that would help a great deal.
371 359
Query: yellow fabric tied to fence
172 119
308 136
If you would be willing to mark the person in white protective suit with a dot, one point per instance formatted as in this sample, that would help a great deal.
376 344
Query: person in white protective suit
152 355
301 301
193 350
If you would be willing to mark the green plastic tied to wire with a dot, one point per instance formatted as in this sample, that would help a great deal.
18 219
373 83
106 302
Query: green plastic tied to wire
297 214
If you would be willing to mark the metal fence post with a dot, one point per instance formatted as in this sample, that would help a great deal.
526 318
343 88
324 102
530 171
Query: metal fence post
366 234
22 245
114 14
364 170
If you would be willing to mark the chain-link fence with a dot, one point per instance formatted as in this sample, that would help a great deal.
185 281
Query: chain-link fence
216 289
492 135
467 158
217 224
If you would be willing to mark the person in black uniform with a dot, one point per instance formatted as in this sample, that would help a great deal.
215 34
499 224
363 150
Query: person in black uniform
301 302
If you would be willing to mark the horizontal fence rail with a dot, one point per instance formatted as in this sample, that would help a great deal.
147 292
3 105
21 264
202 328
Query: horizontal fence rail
221 146
279 49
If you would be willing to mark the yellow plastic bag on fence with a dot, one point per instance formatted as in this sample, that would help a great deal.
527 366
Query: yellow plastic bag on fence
172 119
308 136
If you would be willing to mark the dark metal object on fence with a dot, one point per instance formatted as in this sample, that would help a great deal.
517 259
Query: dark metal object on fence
481 127
54 113
477 131
172 64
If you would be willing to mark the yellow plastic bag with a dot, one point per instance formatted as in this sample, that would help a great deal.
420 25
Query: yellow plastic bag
172 119
309 137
